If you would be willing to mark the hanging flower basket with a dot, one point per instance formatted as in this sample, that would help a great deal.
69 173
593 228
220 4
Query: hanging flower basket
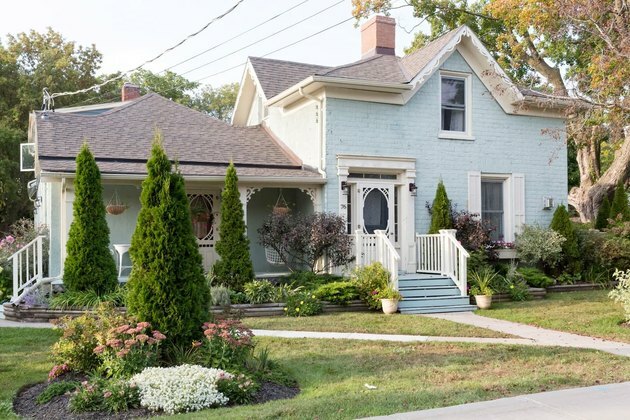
115 207
281 208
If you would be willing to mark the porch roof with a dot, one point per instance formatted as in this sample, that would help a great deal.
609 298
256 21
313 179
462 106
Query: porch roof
120 139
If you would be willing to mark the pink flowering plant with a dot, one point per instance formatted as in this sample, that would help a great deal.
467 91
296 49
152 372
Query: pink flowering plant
113 395
127 349
227 345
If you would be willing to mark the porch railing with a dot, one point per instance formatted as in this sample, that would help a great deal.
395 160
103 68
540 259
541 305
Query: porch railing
377 247
28 267
441 253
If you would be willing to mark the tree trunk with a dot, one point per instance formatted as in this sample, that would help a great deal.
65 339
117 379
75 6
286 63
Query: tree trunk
588 196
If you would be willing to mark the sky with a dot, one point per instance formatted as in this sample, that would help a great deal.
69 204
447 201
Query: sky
130 32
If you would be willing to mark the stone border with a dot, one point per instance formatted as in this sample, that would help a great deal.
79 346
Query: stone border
44 314
577 287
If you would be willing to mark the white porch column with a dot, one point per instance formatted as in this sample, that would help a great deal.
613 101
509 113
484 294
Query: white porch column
408 223
243 195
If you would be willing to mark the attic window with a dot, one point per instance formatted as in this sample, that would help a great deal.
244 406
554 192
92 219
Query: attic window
455 106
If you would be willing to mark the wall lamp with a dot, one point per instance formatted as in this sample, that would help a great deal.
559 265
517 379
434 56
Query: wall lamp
413 189
345 190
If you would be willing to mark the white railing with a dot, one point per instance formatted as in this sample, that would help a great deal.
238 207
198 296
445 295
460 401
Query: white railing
28 267
443 254
377 247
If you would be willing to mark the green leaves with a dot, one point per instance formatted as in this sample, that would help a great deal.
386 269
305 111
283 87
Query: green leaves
441 212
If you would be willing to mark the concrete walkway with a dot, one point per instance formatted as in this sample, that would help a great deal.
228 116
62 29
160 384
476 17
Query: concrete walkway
13 324
600 402
540 336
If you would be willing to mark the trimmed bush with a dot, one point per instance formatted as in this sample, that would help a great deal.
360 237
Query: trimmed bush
441 212
534 277
234 269
167 286
562 224
619 205
303 304
601 222
338 292
538 245
89 264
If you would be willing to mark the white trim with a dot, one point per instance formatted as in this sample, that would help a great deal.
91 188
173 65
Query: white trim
29 145
467 133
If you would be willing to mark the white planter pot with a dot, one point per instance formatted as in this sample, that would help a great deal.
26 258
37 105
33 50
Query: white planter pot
483 301
506 253
390 306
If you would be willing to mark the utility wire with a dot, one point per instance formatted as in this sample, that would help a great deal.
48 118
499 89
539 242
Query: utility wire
48 98
235 36
265 38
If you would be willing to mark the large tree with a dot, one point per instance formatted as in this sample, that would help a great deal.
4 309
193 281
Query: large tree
217 102
14 202
167 286
571 48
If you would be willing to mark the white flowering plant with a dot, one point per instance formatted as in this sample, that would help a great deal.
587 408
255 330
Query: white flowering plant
181 388
621 293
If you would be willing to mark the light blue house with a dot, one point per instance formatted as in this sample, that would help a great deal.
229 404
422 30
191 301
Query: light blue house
368 140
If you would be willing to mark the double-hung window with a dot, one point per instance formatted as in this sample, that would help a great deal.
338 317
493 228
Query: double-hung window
492 211
455 92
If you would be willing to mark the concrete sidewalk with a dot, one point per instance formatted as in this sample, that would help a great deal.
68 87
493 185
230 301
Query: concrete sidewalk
601 402
540 336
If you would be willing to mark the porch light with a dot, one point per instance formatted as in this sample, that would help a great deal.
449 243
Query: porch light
413 189
344 188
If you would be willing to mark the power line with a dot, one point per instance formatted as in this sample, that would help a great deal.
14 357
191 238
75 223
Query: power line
265 38
236 36
49 98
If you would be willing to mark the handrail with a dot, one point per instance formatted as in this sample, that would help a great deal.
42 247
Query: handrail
28 267
388 256
443 254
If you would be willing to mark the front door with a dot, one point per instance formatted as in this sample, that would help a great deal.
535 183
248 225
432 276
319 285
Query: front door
376 202
204 224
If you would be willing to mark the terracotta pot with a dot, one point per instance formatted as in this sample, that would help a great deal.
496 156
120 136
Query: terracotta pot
390 306
483 301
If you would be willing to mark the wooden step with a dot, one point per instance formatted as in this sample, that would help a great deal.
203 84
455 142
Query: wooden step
434 301
439 309
427 291
423 282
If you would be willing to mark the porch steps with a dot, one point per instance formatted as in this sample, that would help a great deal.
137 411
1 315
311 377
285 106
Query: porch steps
425 293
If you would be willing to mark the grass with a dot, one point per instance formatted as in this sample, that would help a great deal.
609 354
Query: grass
371 322
589 313
332 375
24 359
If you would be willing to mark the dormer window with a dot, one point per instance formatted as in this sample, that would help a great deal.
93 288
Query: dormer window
455 106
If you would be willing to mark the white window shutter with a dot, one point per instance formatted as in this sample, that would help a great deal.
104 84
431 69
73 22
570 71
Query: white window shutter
519 201
474 193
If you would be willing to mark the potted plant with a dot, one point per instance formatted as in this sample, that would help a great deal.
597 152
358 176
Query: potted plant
481 287
389 298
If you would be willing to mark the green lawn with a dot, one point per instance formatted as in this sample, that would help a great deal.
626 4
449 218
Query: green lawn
589 313
332 374
24 359
371 322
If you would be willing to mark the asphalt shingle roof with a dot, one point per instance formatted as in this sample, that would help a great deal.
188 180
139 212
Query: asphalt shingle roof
121 138
278 75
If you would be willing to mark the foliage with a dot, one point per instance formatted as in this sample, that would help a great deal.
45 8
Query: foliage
368 279
481 282
562 224
89 298
14 202
303 304
338 292
472 232
601 222
535 277
619 205
228 344
234 269
478 260
75 349
237 297
387 292
536 244
181 388
113 396
237 389
168 84
218 102
220 295
260 291
515 285
621 293
167 286
89 264
310 280
441 210
56 389
302 241
127 349
615 253
568 278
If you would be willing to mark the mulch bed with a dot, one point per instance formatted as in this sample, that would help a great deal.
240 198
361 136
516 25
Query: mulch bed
57 408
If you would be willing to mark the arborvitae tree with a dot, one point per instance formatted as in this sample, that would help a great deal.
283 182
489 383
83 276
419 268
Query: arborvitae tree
441 212
619 205
234 269
603 213
167 286
89 264
562 224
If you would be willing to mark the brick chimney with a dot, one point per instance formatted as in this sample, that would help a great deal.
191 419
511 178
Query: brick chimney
130 92
378 36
